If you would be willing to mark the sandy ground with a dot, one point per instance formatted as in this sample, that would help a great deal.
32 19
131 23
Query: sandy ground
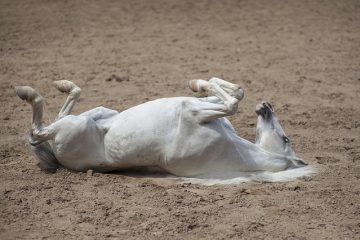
303 56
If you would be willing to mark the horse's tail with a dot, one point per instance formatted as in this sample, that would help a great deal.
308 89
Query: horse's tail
44 153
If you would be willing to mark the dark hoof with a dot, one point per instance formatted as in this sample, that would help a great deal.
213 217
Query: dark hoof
265 110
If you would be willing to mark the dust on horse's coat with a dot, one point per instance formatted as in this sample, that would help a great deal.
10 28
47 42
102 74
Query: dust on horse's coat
185 136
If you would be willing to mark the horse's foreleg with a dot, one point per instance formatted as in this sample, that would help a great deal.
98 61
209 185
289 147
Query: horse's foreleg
74 91
233 89
39 134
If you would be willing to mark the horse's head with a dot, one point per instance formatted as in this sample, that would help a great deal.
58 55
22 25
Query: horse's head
270 135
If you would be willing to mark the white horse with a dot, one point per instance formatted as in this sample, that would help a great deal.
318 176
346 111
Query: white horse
185 136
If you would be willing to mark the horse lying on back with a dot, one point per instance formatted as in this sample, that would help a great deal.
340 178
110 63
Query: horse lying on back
185 136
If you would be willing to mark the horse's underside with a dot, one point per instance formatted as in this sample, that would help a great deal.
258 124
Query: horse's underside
185 136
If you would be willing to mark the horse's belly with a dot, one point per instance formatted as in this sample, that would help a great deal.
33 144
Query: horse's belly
206 148
133 149
157 134
192 154
138 136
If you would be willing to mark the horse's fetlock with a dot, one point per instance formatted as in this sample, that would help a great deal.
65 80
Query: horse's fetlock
35 132
38 99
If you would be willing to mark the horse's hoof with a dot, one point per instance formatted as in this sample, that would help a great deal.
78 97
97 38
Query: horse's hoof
238 94
26 93
65 86
193 85
264 109
199 86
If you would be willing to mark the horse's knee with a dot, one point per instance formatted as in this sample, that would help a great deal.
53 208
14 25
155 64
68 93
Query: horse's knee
231 105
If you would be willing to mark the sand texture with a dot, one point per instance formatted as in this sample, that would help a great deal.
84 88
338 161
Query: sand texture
302 56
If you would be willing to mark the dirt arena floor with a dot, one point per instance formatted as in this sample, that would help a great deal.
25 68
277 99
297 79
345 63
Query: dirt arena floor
302 56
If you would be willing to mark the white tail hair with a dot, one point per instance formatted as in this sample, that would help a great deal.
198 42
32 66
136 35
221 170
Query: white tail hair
44 154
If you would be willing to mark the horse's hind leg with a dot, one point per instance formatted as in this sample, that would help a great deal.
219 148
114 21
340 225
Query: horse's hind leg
39 134
206 111
36 101
74 91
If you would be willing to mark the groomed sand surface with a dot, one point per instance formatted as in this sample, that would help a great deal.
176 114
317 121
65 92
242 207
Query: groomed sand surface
302 56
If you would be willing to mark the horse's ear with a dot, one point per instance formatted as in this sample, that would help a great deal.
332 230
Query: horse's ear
298 162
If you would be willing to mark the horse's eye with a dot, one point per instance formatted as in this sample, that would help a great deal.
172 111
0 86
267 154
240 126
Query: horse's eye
286 139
